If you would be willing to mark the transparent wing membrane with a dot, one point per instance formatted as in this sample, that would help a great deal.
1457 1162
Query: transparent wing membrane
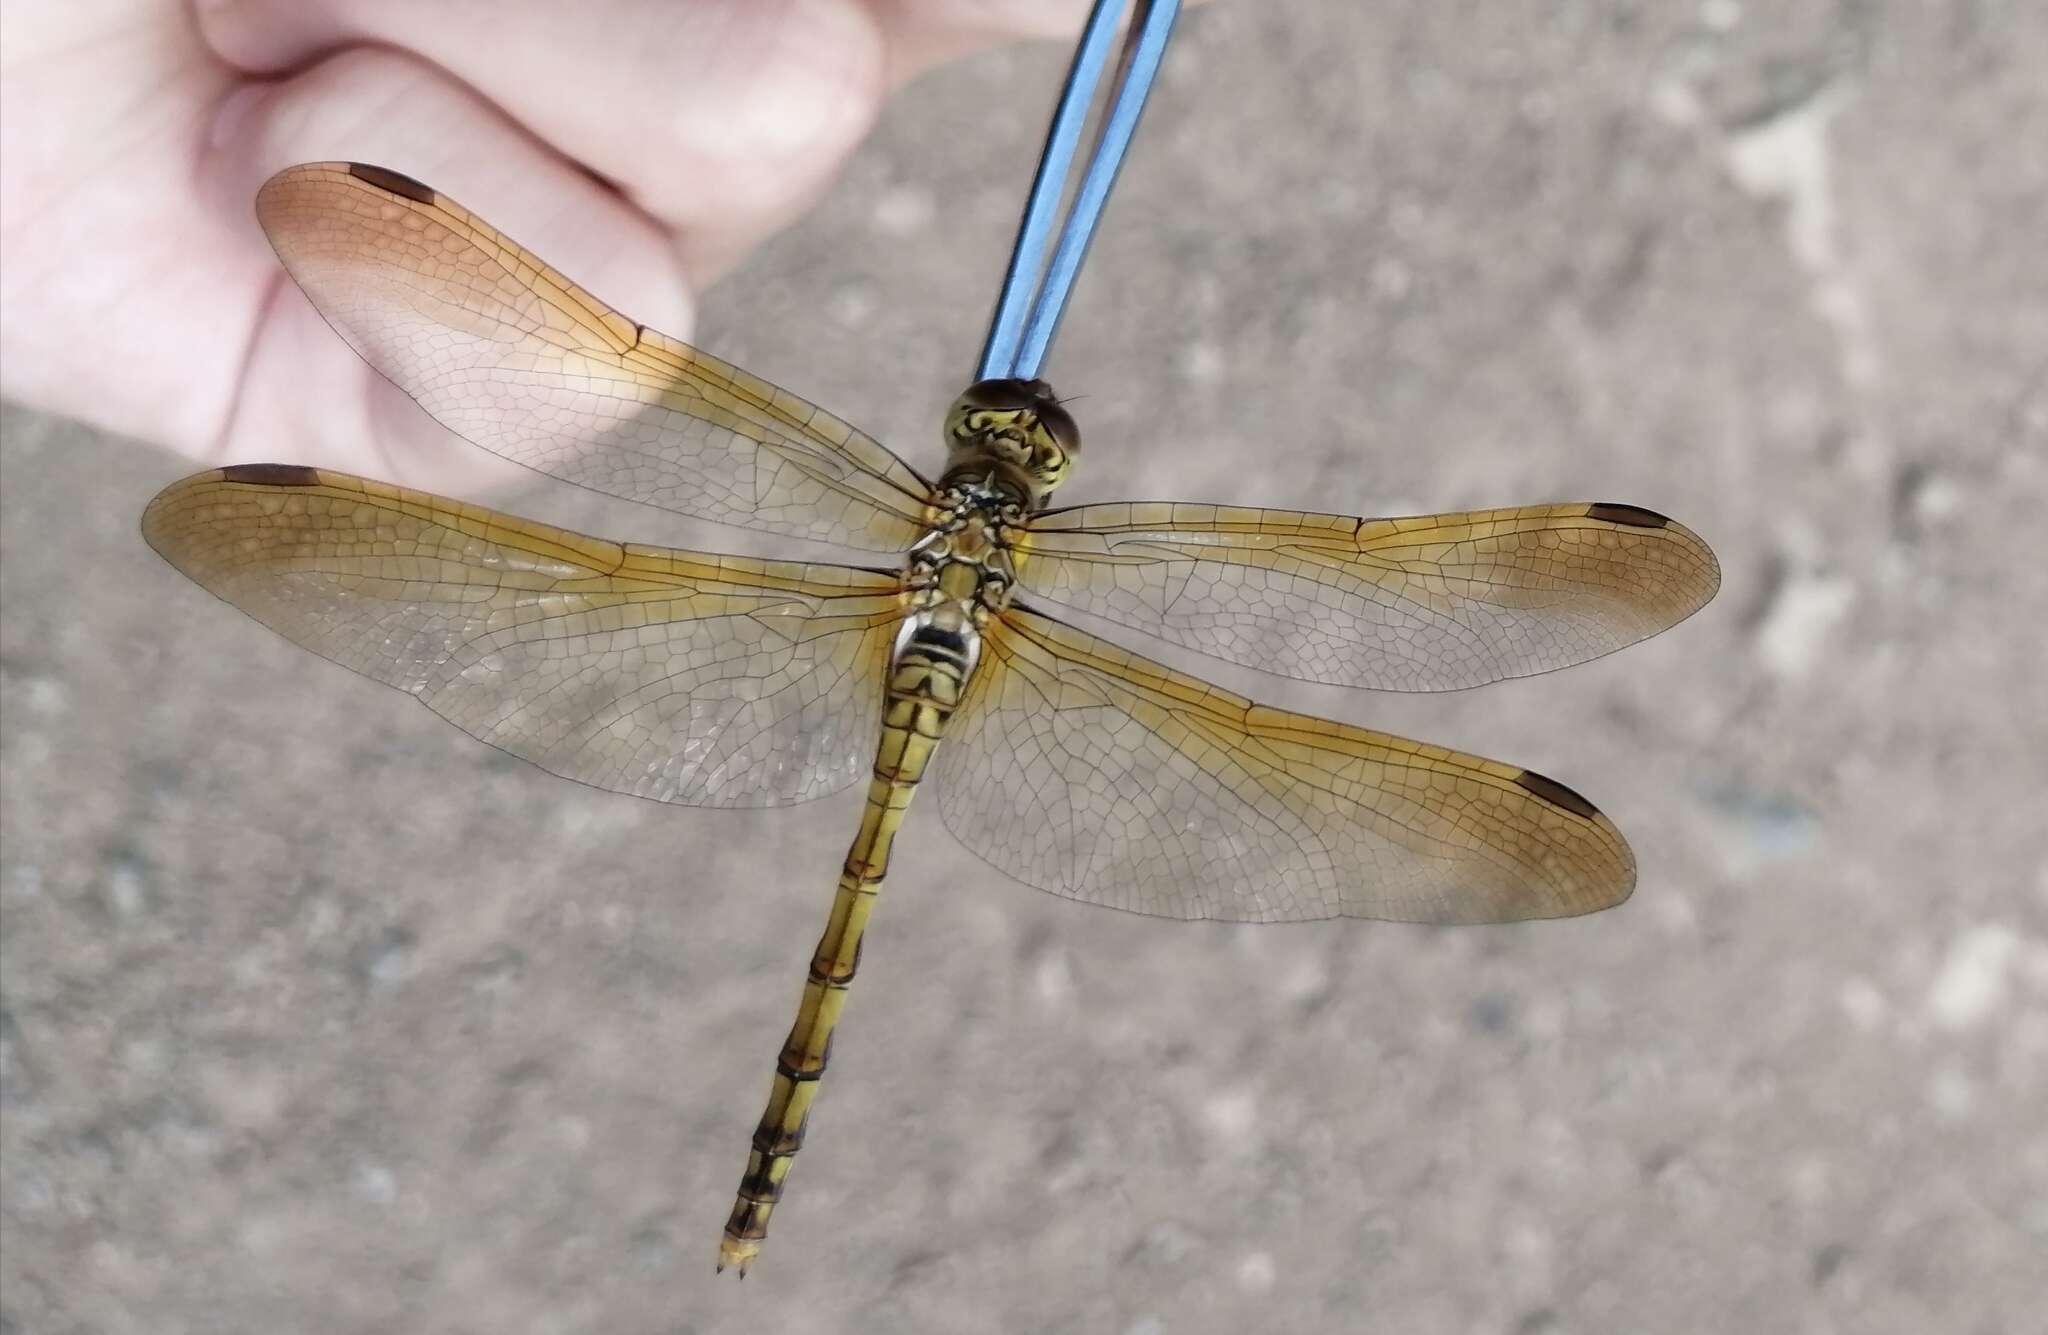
514 357
1435 602
706 680
1085 770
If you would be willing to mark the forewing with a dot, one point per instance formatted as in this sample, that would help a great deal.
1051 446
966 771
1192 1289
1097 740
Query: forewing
1434 602
516 358
1084 770
707 680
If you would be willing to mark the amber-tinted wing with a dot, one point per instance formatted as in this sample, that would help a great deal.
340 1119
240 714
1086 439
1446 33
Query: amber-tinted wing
709 680
1435 602
508 353
1088 771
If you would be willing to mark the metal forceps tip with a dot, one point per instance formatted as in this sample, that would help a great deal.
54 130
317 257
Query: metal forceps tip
1034 292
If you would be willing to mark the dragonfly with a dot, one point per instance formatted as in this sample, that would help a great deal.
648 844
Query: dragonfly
1064 761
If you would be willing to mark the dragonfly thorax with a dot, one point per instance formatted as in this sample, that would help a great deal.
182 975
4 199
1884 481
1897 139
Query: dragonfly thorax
965 560
1011 435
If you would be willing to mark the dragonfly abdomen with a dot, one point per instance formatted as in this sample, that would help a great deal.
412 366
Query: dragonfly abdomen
928 674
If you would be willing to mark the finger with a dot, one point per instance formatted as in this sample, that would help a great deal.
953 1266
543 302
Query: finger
306 398
923 33
722 118
105 248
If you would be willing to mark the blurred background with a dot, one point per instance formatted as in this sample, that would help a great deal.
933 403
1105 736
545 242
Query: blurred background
320 1016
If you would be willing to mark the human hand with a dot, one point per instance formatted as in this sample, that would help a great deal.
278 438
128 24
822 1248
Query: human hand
639 145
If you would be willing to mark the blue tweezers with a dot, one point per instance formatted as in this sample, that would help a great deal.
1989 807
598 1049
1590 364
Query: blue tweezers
1034 292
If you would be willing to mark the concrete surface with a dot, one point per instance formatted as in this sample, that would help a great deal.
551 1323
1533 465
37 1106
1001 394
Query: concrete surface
322 1017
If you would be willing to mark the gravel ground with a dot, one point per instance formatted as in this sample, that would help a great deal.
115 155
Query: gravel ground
321 1017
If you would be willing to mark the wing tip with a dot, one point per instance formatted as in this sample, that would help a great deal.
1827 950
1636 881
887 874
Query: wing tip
1707 576
1618 882
160 522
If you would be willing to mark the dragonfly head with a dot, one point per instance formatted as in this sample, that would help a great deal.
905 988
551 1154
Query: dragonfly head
1020 428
